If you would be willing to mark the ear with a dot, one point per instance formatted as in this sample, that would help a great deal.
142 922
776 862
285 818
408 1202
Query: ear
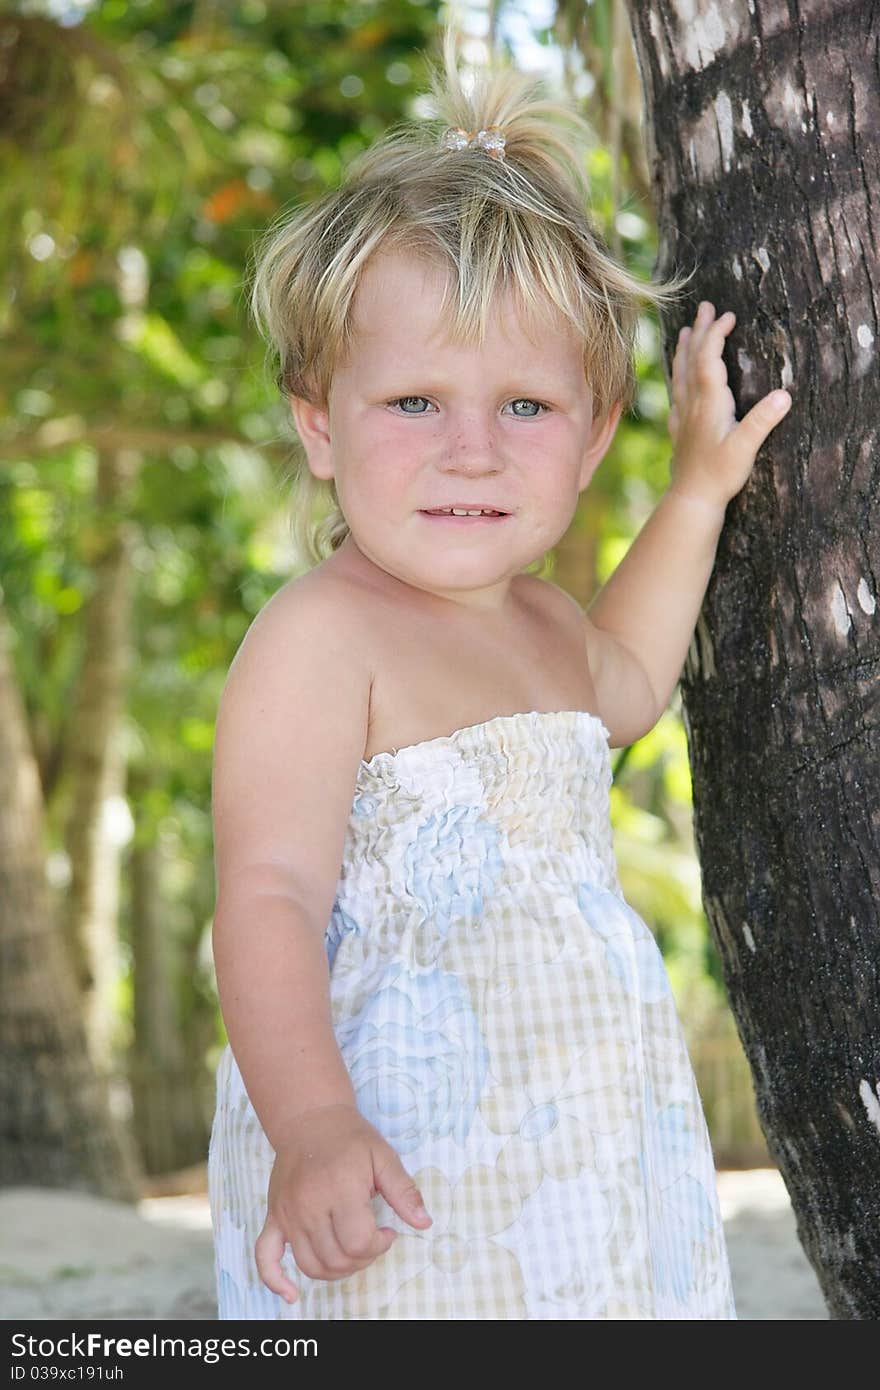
313 427
600 440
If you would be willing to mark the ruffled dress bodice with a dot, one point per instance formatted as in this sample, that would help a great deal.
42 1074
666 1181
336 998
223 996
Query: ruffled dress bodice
440 827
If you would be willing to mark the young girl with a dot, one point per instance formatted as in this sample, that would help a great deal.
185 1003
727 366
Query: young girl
456 1084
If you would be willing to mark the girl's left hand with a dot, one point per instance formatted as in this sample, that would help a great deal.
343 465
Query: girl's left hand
714 452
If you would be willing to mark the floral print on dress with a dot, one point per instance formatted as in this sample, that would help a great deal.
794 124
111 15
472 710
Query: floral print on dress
416 1057
688 1224
452 864
632 952
507 1022
341 924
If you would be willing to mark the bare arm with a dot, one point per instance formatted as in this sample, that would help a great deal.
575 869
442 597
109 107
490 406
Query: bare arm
290 731
272 979
644 617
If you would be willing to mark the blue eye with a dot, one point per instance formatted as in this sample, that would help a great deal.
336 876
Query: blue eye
402 401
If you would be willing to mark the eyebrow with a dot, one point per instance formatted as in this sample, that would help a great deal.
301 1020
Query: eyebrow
521 384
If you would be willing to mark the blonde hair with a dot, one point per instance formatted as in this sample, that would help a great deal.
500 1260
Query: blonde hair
520 223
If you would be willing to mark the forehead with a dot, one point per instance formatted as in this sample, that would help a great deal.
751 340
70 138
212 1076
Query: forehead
396 317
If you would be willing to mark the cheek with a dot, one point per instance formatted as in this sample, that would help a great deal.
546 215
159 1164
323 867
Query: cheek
554 486
382 479
551 460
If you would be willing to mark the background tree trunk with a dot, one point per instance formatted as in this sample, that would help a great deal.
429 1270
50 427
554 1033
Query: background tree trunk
95 754
95 759
600 33
167 1083
762 135
58 1129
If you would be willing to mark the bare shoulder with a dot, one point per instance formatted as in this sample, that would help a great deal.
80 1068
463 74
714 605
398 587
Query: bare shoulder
317 604
622 695
291 730
305 653
562 605
549 598
624 699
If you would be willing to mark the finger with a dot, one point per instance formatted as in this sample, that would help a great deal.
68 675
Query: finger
693 344
709 366
715 331
703 318
268 1249
680 362
702 310
699 362
318 1252
359 1236
306 1259
719 330
333 1260
679 366
681 350
710 370
400 1192
337 1252
757 423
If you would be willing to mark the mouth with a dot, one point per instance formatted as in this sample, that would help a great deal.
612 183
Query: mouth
470 516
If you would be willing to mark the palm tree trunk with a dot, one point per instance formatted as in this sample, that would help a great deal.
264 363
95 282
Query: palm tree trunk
761 126
167 1078
58 1129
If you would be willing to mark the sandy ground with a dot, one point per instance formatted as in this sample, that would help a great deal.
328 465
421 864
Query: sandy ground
72 1256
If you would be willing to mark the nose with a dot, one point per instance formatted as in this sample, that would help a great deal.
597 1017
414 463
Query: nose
471 446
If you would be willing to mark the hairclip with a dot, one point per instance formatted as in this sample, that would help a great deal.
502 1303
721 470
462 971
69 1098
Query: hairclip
491 140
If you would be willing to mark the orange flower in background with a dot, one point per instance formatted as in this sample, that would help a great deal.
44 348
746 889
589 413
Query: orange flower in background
79 271
225 201
230 198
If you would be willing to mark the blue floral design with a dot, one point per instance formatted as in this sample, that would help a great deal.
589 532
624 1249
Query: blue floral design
364 805
341 924
687 1211
416 1057
631 950
452 862
233 1302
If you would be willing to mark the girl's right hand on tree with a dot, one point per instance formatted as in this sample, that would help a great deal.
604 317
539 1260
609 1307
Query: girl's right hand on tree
319 1199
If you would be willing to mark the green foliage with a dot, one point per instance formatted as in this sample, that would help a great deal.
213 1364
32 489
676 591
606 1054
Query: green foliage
143 149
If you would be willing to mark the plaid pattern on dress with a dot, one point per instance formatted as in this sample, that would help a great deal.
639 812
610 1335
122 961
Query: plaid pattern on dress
507 1021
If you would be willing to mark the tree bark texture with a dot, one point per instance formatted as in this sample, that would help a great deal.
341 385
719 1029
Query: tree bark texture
95 759
762 124
56 1125
167 1083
